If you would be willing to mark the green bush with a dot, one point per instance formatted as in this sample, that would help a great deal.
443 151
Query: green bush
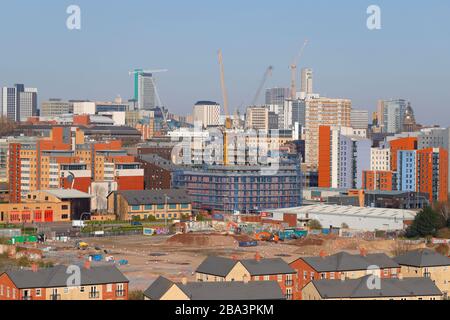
314 225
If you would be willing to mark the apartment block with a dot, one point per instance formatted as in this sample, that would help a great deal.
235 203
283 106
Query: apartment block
380 159
323 112
406 143
97 283
432 173
379 180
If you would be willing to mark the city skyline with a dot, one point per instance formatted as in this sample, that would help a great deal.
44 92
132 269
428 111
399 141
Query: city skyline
406 59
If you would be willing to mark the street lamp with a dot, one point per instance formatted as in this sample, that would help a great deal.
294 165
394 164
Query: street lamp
166 198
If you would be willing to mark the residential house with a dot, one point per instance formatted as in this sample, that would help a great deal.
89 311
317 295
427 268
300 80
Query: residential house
219 269
164 289
96 283
429 264
143 204
342 264
367 288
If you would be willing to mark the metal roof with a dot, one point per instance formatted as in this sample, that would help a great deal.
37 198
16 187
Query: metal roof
423 258
57 277
68 193
351 211
344 261
389 288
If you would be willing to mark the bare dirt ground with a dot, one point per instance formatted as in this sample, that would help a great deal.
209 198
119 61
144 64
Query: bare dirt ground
178 256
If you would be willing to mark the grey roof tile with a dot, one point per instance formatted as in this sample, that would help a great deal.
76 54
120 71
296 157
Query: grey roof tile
423 258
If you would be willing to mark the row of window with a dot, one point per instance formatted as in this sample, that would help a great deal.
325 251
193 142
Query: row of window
159 207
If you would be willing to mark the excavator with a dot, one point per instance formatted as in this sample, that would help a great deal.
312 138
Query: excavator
266 236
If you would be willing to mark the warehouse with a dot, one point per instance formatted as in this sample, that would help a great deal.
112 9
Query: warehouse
365 219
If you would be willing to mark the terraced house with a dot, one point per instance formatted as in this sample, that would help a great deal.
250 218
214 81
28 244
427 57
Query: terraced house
429 264
219 269
365 288
341 265
164 289
96 283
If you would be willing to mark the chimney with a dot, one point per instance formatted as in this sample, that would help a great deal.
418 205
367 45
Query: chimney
245 279
234 257
342 276
323 254
363 252
257 257
87 264
184 281
34 267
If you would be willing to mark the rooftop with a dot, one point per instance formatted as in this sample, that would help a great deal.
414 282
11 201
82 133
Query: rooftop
68 193
57 277
423 258
344 261
143 197
390 288
236 290
351 211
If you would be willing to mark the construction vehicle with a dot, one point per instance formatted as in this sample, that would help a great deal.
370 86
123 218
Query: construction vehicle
293 68
81 245
266 236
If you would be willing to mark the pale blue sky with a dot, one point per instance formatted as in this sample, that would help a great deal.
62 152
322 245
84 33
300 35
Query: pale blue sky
409 58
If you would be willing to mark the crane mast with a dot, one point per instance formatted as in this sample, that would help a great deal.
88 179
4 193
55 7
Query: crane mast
294 71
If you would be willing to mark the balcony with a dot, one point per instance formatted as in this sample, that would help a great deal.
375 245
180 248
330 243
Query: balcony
289 296
55 297
120 293
27 298
94 295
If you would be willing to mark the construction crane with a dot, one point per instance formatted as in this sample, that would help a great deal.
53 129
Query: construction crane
228 123
263 81
293 68
147 71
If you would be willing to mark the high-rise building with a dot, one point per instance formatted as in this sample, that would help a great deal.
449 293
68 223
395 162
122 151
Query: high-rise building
359 119
432 173
394 115
276 96
19 103
379 180
407 143
407 170
298 112
28 103
207 113
257 118
323 112
342 158
144 90
307 81
54 107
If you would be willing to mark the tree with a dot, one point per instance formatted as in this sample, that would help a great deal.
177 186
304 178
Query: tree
426 223
314 224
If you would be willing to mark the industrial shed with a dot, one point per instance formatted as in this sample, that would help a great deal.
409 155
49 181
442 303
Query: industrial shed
359 218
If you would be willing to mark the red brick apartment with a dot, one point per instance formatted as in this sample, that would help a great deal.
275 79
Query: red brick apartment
341 265
97 283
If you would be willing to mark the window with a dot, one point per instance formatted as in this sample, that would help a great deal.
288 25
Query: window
266 278
160 207
323 275
280 277
172 206
81 289
64 207
148 207
312 275
38 292
185 206
66 290
135 208
332 275
305 275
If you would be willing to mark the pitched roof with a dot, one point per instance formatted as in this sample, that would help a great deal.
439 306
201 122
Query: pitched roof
267 266
344 261
158 288
143 197
390 287
57 277
235 290
216 266
423 258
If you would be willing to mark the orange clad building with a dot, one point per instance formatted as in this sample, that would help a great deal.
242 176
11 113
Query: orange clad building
432 173
409 143
324 157
378 180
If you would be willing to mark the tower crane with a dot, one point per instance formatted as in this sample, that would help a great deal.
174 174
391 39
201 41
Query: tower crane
137 71
263 81
293 68
228 123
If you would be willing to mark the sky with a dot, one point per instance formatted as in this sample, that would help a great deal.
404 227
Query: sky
409 57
